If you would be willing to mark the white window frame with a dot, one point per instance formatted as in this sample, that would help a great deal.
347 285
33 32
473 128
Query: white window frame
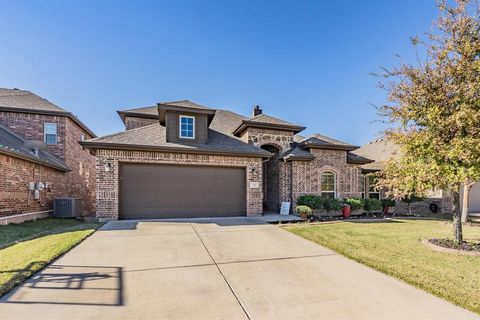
334 183
45 125
367 190
180 127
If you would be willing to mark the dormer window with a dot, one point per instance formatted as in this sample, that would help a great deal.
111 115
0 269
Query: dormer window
187 127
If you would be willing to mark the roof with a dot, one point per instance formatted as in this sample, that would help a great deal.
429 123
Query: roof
185 104
379 151
153 137
268 122
323 142
226 121
16 100
14 145
297 154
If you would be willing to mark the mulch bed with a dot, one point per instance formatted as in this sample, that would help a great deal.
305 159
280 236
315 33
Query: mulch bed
446 245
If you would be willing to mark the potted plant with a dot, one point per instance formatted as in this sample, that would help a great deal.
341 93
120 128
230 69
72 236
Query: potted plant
315 202
387 204
346 210
356 205
304 211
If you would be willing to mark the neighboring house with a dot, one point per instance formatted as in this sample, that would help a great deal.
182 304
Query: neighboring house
382 150
182 159
39 149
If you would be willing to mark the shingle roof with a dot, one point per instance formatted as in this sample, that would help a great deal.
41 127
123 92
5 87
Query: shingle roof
154 137
380 151
297 153
226 121
16 146
321 141
265 118
184 103
22 99
25 101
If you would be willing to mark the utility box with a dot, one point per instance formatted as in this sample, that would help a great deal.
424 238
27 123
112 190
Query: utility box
67 208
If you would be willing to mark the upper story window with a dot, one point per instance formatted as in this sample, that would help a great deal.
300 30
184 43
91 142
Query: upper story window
50 133
187 127
328 184
82 137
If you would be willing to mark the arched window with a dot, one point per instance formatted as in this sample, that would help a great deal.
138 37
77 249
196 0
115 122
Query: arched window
328 184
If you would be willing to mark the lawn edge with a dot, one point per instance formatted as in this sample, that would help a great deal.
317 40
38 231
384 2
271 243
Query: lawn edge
53 260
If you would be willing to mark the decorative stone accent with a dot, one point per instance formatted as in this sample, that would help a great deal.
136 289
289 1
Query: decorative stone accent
108 162
259 137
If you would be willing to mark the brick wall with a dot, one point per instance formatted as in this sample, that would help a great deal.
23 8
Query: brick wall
16 174
107 168
305 175
135 122
30 127
77 183
80 181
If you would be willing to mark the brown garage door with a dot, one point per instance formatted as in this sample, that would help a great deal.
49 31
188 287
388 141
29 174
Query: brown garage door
169 191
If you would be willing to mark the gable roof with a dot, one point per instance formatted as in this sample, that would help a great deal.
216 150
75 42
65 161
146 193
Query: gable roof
319 141
153 138
14 145
379 151
16 100
267 122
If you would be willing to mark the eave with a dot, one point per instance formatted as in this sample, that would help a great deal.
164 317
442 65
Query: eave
31 159
265 125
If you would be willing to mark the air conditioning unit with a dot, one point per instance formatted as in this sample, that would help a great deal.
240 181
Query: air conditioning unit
67 208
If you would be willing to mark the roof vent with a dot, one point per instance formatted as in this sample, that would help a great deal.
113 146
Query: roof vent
35 152
257 111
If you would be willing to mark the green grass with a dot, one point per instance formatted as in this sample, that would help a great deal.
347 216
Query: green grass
395 248
28 247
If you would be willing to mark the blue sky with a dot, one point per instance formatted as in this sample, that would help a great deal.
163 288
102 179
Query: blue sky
304 61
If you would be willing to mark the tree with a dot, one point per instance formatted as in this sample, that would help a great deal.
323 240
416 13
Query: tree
434 110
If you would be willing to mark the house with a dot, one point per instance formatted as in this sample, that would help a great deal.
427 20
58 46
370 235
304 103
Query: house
40 157
181 159
382 150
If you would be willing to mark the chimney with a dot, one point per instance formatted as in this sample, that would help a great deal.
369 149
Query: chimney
257 111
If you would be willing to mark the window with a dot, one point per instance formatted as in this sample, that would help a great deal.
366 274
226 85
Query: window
187 127
361 184
328 184
82 137
372 190
50 133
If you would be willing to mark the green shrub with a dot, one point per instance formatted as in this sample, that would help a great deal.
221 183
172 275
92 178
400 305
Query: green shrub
304 210
355 203
332 204
371 204
310 200
388 203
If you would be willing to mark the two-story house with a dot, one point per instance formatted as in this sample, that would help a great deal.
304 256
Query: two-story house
182 159
40 157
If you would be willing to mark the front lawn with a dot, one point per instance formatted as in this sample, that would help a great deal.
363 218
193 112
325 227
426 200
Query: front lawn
28 247
395 248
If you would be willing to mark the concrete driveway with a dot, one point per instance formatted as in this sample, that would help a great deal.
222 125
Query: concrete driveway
232 268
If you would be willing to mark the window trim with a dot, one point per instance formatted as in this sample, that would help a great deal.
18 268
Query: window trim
334 191
45 124
180 127
367 190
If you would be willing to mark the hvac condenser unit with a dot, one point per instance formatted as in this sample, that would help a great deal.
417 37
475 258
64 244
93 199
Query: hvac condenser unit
67 207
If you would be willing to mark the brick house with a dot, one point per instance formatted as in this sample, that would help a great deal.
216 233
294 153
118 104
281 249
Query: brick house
182 159
39 144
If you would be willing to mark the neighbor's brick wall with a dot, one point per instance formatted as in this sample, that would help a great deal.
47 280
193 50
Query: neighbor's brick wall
30 127
15 175
135 122
306 174
107 181
80 181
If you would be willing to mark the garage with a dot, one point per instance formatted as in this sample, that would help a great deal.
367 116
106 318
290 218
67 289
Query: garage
474 199
153 191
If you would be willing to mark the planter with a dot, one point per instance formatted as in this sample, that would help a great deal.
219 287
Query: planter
346 212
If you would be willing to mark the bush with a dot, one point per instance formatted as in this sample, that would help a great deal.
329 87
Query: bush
371 204
310 200
388 203
304 210
332 204
355 203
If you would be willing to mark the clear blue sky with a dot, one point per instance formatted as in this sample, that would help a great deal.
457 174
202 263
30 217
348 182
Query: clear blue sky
303 61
